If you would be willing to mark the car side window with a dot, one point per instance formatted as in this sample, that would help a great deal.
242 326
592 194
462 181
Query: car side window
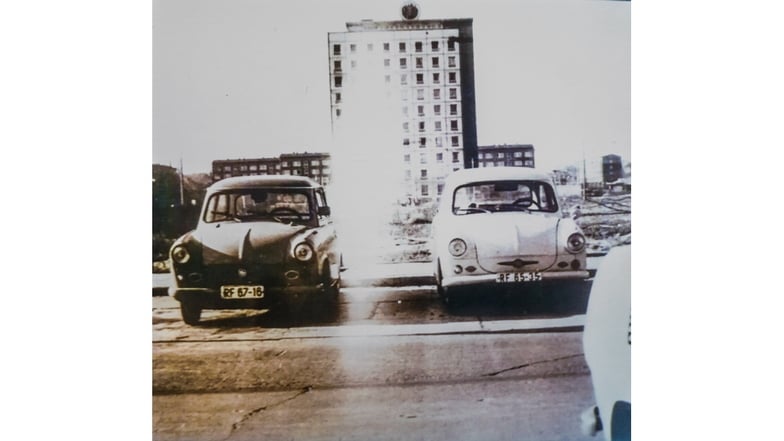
321 202
546 198
217 208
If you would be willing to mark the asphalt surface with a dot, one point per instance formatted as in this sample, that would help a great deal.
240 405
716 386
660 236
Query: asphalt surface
394 363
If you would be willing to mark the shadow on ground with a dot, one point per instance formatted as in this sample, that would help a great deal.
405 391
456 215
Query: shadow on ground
272 318
537 301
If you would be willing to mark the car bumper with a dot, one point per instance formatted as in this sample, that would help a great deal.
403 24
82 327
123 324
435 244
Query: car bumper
210 297
490 279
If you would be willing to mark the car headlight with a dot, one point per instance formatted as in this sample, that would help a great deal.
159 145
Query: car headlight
180 254
457 247
575 243
303 252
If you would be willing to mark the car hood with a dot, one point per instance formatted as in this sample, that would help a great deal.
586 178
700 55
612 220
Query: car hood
231 242
503 238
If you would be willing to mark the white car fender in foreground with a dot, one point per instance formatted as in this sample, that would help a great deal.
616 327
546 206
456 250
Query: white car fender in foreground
607 346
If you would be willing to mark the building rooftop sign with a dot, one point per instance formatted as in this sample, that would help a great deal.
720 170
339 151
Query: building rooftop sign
409 11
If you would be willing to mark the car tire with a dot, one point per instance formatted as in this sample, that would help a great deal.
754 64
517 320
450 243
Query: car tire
439 278
333 290
324 306
191 312
447 295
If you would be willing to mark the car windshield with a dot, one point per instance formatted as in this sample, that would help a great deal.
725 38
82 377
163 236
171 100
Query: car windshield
495 196
280 204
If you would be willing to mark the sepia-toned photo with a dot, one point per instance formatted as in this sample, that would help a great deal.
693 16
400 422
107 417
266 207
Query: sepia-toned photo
391 220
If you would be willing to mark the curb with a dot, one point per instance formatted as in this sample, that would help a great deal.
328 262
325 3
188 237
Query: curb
394 281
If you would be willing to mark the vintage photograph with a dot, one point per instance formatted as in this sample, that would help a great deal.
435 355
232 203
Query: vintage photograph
391 220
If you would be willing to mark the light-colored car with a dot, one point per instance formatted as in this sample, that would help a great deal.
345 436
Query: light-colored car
261 242
607 345
504 225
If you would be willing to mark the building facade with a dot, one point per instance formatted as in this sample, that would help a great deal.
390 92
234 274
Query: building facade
511 155
612 168
313 165
416 77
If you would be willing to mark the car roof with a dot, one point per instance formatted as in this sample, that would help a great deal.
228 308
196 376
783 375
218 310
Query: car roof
496 173
239 182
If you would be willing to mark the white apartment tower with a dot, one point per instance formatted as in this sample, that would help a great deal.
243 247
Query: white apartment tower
402 100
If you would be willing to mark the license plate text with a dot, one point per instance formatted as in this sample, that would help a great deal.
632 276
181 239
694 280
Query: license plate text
518 277
242 292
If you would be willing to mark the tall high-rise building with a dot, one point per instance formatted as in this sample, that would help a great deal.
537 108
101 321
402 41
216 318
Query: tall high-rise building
402 100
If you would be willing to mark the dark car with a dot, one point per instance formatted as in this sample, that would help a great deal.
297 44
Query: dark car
262 242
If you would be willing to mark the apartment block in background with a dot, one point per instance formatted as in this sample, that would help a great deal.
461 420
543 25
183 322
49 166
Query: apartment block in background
506 155
417 76
313 165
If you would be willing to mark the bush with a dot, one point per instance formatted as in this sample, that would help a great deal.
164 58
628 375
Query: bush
160 247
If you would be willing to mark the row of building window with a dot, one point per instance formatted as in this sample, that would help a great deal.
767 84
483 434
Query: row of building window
314 173
402 47
501 155
419 63
283 164
419 80
254 167
420 93
423 159
421 109
516 163
454 126
422 142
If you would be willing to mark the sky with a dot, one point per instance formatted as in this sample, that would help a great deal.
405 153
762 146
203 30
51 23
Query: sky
248 78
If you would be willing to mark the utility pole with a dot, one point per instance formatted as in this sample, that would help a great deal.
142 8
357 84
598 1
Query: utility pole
182 192
585 177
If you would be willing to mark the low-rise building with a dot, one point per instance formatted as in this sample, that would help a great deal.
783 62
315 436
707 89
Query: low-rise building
506 155
313 165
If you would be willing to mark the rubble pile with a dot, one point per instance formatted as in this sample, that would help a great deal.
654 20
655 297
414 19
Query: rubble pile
605 220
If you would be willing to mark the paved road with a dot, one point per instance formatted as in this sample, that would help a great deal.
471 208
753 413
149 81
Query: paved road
394 364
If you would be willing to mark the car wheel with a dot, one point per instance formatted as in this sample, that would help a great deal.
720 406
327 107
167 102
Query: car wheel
331 288
447 295
320 306
191 312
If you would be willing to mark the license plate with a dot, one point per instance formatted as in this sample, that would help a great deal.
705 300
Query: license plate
242 292
535 276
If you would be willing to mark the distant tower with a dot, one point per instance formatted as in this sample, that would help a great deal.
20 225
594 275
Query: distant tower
402 100
612 168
